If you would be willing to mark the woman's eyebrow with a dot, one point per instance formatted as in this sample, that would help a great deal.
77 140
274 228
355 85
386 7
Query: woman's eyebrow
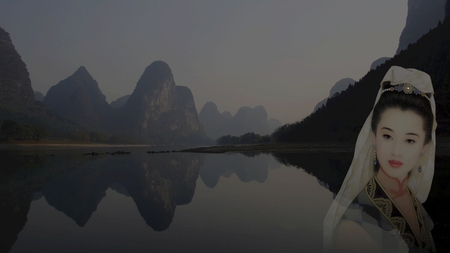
387 128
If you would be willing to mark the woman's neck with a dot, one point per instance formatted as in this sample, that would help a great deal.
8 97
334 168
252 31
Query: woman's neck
394 187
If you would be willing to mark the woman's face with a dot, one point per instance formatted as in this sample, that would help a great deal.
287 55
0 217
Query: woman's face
399 141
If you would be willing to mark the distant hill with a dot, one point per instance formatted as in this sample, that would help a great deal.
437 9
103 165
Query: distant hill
341 119
339 86
79 99
38 96
215 123
120 102
244 121
274 124
423 15
378 62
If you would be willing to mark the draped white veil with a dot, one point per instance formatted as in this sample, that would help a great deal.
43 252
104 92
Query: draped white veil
361 168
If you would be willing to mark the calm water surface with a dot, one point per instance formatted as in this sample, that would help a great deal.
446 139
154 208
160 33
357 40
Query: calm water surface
57 200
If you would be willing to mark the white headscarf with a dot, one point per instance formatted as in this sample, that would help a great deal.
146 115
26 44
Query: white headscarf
361 170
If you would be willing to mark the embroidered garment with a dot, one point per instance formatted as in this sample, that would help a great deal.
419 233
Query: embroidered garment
362 167
380 217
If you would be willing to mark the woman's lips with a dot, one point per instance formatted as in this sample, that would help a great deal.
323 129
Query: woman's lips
395 164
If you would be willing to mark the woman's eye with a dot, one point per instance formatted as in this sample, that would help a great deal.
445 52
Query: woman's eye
410 141
386 136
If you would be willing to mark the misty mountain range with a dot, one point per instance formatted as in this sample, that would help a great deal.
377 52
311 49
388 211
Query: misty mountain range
218 124
161 112
246 120
158 111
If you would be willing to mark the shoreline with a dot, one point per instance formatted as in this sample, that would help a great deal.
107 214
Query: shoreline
274 147
69 145
443 142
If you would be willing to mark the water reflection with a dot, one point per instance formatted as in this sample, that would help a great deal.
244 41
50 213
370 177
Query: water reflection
76 185
220 165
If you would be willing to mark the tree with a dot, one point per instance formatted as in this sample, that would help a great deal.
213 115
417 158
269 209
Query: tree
10 129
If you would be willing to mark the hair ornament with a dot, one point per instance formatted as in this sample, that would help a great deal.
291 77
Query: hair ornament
407 89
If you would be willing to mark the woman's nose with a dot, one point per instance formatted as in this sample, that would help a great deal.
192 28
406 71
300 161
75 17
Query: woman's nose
397 149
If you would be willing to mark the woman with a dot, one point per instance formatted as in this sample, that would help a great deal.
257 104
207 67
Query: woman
378 208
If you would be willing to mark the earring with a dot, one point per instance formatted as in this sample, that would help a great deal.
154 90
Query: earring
420 162
375 157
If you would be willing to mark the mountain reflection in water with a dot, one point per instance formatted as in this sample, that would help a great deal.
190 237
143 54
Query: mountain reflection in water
250 203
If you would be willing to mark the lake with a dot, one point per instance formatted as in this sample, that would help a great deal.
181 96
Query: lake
59 200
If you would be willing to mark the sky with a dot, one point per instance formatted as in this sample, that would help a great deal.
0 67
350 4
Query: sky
283 55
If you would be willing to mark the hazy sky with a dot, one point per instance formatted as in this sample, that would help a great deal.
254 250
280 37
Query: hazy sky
284 55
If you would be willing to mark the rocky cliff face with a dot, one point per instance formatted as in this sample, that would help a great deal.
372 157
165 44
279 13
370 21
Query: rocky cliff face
15 84
423 15
79 98
160 111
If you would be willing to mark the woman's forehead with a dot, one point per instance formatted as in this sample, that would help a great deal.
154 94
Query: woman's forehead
401 121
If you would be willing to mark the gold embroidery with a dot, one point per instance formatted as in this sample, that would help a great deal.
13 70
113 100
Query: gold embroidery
385 205
418 211
370 188
424 235
409 238
399 223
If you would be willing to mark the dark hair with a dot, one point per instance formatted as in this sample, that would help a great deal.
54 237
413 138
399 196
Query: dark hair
415 103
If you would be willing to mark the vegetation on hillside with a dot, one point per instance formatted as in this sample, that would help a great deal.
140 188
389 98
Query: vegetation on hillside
342 117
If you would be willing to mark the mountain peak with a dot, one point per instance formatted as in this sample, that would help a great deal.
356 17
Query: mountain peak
82 69
157 74
15 82
159 67
84 75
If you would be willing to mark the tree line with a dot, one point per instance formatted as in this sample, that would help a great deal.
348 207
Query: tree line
248 138
11 130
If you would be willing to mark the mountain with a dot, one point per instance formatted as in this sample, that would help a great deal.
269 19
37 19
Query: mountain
246 120
159 111
337 87
15 84
423 15
38 96
79 98
214 122
17 100
120 102
378 62
274 124
341 119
